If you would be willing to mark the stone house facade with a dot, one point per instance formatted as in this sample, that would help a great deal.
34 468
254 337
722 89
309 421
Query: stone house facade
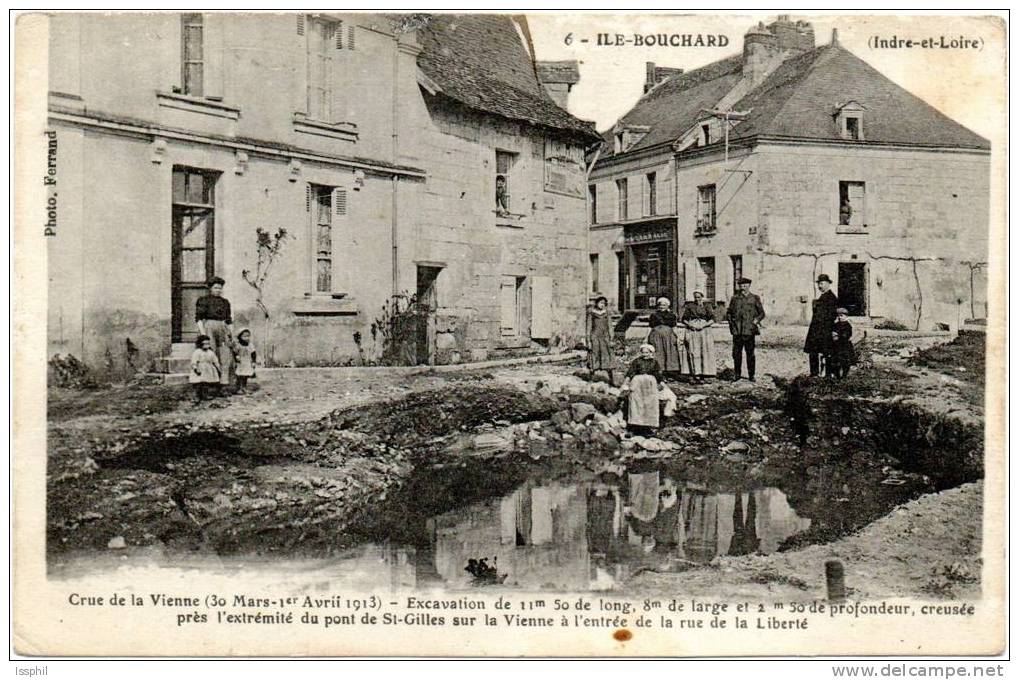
350 132
791 160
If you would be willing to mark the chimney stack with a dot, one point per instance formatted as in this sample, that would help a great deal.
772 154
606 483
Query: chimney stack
765 47
656 74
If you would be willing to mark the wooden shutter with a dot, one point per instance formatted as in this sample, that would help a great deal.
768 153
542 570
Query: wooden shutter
541 307
508 306
351 31
299 51
690 268
173 54
214 39
342 241
338 34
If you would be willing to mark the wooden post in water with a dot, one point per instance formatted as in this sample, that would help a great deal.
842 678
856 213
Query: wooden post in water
836 578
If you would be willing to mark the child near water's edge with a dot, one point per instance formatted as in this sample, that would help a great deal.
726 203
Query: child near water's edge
205 369
246 359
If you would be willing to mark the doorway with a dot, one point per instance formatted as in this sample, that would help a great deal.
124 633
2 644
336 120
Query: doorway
852 291
652 274
427 303
192 251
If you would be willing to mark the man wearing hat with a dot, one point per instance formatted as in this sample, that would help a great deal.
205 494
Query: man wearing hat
819 341
744 315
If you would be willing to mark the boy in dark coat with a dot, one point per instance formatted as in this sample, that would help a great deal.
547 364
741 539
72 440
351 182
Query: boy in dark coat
842 345
819 341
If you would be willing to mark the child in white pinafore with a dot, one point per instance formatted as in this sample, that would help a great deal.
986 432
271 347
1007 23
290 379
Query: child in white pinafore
205 370
245 358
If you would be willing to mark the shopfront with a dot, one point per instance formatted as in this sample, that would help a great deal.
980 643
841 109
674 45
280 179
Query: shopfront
650 262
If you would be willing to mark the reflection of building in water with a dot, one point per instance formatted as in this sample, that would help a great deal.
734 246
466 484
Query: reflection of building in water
591 536
536 536
373 566
738 524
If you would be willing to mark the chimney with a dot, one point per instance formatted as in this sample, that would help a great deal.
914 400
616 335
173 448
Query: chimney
558 78
765 47
656 74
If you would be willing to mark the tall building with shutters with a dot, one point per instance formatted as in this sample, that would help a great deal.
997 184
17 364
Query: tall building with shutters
396 158
783 162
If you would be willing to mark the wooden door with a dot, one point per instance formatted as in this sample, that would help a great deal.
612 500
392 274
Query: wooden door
192 259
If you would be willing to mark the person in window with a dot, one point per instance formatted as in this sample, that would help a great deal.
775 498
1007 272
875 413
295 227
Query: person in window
214 319
699 345
599 338
819 341
845 211
501 195
744 315
663 337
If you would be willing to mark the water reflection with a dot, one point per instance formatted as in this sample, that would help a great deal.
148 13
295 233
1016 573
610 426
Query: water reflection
587 535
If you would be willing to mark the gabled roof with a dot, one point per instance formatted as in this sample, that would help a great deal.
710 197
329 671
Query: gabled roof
798 100
675 104
480 61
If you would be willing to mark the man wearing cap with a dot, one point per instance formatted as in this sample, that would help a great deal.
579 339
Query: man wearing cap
819 342
744 315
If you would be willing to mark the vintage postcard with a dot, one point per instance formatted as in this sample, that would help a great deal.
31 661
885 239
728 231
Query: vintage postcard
346 333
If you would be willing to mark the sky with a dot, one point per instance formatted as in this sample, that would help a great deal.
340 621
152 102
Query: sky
965 84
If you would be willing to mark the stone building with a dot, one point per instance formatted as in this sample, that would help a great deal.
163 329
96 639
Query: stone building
784 162
375 142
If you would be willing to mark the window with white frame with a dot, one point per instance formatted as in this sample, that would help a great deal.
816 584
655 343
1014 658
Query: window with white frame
192 54
706 209
321 44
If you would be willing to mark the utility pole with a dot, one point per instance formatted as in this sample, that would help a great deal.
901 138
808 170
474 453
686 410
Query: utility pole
726 116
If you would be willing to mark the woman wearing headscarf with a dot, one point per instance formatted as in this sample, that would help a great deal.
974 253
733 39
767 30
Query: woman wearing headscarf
699 345
641 390
663 337
599 338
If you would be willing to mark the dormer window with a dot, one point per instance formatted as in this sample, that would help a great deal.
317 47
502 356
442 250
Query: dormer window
619 143
849 119
628 135
705 134
853 128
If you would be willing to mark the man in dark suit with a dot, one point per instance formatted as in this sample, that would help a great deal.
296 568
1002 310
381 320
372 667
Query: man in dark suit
744 315
819 342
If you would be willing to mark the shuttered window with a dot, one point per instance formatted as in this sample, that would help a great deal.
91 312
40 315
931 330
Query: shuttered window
321 45
328 209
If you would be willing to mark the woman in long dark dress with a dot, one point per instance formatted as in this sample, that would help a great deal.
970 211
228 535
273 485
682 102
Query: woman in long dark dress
599 338
663 337
699 345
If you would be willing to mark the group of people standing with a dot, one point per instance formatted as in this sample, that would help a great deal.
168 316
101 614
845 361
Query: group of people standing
664 355
220 360
829 344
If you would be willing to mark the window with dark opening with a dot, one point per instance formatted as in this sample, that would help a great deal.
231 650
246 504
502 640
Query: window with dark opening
594 272
504 162
651 185
706 134
706 209
852 204
592 195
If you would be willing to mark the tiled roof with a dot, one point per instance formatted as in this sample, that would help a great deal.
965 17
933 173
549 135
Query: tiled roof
480 61
801 97
672 107
798 100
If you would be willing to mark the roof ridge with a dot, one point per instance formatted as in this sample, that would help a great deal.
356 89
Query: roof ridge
659 88
817 54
